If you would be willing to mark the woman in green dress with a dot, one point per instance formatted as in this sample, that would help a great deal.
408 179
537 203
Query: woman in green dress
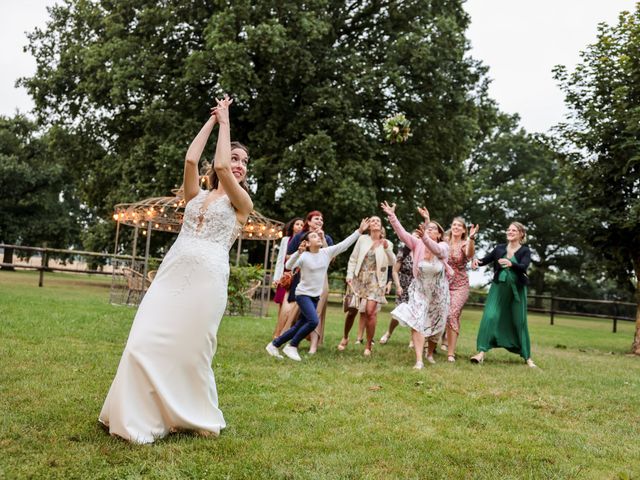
504 321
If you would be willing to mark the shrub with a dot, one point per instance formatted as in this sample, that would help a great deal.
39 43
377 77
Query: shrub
241 279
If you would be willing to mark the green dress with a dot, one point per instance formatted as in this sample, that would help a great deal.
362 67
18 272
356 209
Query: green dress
504 321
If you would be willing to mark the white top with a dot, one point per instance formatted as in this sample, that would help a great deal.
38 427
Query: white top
282 253
314 266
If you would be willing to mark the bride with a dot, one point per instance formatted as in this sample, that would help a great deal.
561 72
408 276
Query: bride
164 382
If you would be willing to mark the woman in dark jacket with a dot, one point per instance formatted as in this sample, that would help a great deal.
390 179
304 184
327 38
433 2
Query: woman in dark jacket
504 321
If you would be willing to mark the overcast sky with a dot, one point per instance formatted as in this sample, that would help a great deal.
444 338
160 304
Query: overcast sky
520 41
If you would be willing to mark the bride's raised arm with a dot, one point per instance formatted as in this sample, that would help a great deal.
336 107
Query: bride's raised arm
191 179
239 197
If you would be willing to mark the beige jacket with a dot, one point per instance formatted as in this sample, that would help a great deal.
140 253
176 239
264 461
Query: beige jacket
384 258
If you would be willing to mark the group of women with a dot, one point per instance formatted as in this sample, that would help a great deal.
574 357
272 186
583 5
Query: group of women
431 282
164 381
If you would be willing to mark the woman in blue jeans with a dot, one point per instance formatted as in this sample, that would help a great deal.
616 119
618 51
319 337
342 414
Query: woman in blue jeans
313 261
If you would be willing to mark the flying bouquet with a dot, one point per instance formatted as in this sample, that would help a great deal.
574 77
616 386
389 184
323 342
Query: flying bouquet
397 129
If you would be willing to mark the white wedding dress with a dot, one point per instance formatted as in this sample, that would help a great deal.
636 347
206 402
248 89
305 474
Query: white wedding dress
164 382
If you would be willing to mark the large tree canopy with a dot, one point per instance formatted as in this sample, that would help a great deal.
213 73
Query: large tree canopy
313 83
36 205
603 94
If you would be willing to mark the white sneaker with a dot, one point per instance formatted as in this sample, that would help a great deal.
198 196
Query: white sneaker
431 360
418 366
385 338
292 353
273 350
531 364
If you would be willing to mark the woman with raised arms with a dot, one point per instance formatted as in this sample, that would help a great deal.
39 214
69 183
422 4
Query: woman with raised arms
164 381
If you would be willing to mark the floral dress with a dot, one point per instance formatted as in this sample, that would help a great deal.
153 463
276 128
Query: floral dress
365 285
428 305
458 285
405 274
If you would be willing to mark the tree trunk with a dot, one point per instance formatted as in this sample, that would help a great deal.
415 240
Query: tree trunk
635 348
8 258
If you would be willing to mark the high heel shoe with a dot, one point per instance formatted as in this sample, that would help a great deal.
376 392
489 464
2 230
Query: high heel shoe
385 338
343 344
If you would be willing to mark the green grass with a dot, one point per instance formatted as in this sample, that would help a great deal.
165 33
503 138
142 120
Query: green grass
335 415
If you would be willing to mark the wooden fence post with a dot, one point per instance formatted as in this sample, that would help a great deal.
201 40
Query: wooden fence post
44 263
552 309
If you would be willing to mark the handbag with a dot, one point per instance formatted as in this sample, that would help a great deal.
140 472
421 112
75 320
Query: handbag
349 300
285 280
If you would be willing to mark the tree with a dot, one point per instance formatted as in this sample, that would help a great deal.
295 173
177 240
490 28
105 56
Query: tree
602 136
36 205
516 176
313 83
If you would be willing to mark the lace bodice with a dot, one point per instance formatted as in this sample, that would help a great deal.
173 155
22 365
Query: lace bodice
218 224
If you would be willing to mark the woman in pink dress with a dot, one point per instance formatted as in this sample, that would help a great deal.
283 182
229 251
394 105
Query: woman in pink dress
461 251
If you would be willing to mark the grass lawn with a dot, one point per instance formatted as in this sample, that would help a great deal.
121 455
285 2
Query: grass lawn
335 415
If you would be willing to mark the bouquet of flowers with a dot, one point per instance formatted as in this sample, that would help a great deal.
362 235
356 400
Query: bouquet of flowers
397 129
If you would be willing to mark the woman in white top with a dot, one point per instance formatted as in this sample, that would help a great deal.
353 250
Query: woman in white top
367 274
313 262
285 309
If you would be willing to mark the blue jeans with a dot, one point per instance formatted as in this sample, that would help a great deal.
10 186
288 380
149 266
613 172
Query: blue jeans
307 322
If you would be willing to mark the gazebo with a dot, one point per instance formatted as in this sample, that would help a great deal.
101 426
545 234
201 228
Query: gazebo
165 214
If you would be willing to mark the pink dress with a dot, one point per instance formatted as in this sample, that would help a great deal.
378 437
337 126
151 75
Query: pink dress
458 285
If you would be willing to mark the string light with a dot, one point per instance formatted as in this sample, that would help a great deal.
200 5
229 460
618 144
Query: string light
169 212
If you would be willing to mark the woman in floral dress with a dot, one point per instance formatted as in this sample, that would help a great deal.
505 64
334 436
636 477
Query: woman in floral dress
428 306
402 275
461 251
367 273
